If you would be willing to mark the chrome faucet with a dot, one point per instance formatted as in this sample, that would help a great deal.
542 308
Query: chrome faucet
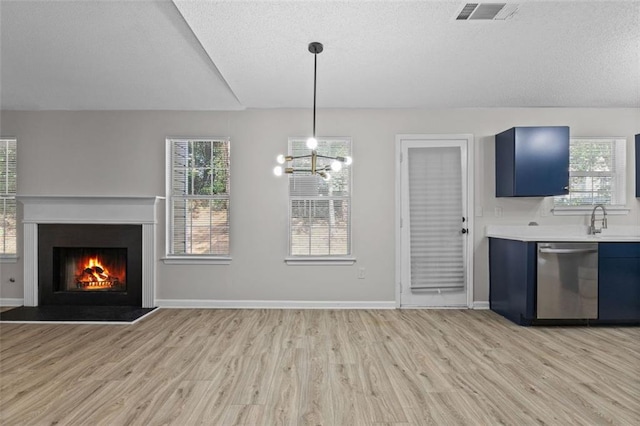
592 228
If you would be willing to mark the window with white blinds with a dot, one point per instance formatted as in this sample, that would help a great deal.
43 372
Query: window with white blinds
319 210
198 197
8 175
596 173
435 214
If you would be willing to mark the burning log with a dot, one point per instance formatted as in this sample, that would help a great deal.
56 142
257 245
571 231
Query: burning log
94 275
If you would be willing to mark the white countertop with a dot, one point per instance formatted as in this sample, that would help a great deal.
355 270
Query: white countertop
575 233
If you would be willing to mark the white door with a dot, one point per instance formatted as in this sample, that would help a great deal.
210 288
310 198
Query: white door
434 223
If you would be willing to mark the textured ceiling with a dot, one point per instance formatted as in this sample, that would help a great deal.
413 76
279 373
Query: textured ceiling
222 55
86 55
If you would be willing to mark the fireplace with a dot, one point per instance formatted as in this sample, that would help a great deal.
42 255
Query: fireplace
60 231
84 264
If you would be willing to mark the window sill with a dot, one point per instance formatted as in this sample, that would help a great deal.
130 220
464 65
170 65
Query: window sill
8 258
587 210
320 260
196 260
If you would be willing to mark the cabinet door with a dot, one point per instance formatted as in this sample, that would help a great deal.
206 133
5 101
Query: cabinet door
512 268
532 161
542 161
619 281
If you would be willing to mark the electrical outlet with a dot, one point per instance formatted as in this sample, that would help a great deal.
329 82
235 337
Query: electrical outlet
361 273
497 212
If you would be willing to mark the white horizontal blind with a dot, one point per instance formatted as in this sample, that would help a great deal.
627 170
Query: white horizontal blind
319 210
8 181
596 173
435 218
199 186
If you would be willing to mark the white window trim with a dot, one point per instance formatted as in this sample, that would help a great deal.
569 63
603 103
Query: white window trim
9 258
586 211
194 259
320 260
345 260
187 259
613 209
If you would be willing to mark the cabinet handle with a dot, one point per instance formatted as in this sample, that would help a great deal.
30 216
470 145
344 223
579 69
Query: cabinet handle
566 188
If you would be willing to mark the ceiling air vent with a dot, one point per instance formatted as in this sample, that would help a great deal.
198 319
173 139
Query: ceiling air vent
466 11
487 11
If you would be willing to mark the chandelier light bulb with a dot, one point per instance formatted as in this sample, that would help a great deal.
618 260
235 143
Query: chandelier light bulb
348 160
336 166
327 176
280 159
312 143
277 170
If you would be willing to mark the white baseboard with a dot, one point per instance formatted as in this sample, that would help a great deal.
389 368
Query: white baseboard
272 304
481 305
261 304
11 302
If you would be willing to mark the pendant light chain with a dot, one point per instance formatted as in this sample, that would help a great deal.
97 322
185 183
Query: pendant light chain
315 73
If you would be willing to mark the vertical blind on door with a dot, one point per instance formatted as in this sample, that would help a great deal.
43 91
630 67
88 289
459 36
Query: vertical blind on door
435 218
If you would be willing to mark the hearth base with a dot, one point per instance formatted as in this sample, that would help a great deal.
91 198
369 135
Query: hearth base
75 314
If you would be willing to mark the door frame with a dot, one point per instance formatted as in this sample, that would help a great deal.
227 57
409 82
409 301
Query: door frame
470 206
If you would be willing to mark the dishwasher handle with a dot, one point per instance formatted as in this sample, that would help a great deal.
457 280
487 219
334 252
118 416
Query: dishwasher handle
567 251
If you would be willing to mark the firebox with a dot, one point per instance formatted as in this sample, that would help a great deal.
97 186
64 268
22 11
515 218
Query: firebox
88 264
90 269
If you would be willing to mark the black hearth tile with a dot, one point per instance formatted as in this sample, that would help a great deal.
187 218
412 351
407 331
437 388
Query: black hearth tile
53 313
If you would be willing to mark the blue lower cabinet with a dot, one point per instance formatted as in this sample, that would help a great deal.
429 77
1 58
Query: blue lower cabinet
513 275
512 271
619 282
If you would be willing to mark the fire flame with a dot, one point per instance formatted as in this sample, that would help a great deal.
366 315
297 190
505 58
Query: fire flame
93 275
95 266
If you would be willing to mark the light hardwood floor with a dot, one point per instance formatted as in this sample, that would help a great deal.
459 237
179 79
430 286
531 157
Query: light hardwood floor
318 367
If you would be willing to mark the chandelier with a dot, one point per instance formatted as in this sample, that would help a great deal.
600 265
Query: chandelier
320 164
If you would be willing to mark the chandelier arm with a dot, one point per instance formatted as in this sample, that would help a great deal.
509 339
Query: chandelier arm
295 157
329 158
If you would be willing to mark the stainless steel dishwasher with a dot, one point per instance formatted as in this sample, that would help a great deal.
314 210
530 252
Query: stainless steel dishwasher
567 284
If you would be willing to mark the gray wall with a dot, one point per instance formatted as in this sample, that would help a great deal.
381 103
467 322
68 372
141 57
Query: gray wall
122 153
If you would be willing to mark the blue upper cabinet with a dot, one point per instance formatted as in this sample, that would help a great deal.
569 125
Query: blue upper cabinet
638 166
532 162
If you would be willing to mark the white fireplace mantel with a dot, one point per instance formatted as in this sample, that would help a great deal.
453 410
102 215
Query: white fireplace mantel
40 209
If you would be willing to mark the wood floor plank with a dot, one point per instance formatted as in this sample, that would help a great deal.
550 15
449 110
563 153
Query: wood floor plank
318 367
